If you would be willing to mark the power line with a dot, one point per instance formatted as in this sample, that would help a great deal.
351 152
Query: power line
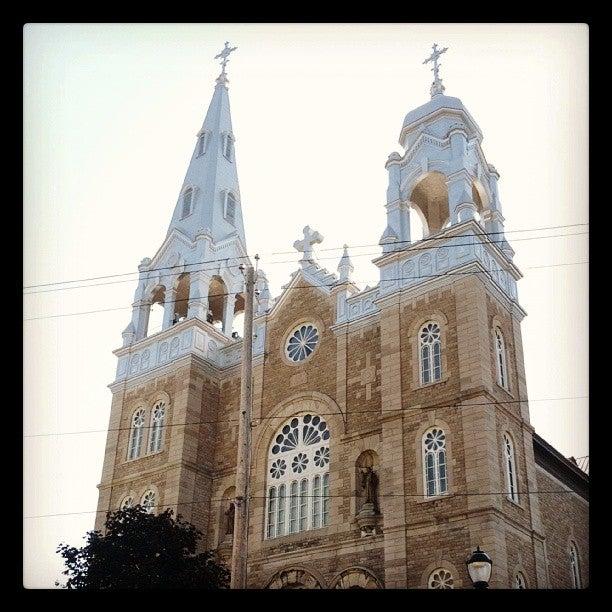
129 280
309 286
266 418
349 496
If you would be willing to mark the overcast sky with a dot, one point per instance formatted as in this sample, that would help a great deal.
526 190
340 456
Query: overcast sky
110 118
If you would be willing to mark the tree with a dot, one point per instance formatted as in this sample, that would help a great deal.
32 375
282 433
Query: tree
142 551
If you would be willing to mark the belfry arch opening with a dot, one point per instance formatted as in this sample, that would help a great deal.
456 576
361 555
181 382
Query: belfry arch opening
217 296
156 313
429 200
182 298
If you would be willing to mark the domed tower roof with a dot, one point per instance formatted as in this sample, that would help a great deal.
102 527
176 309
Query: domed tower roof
439 106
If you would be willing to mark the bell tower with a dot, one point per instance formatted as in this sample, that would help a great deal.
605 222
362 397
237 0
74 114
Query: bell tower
164 413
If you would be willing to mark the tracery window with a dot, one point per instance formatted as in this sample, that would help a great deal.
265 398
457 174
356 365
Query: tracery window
302 342
440 579
187 202
500 359
298 477
148 501
128 502
158 418
575 567
434 462
519 581
136 434
430 348
511 480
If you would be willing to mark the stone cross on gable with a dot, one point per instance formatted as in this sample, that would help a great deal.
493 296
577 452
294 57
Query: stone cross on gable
310 237
224 55
437 87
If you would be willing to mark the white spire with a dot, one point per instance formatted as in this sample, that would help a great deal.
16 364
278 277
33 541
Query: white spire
345 267
209 200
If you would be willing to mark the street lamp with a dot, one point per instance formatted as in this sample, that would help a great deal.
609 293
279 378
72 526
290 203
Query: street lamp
479 566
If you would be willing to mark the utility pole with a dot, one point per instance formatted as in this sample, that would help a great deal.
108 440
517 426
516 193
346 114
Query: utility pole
241 525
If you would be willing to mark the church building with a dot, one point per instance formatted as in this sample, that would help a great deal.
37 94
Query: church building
390 425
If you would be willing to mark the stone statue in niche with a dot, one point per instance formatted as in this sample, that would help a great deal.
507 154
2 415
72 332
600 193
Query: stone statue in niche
229 520
369 484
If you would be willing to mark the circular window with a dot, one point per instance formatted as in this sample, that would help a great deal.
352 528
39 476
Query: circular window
440 579
302 342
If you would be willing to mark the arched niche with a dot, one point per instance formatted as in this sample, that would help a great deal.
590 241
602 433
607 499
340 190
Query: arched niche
367 474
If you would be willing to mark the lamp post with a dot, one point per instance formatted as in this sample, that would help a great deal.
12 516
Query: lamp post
479 567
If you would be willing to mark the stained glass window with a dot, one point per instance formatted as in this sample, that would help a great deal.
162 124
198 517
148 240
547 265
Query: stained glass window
298 477
434 462
511 480
302 342
430 353
136 434
157 427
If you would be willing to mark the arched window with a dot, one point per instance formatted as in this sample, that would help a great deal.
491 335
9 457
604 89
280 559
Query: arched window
228 147
298 477
136 434
575 567
202 144
148 501
158 417
519 581
128 502
511 480
440 579
430 353
500 359
230 207
187 202
434 462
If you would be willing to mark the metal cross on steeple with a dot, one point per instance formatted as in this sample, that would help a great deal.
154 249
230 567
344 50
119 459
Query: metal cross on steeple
436 87
224 56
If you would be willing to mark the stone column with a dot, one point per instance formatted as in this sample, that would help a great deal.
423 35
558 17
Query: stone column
140 318
459 181
392 477
228 314
460 201
198 295
169 307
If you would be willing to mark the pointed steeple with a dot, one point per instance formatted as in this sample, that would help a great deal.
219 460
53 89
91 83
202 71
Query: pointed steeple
209 200
345 267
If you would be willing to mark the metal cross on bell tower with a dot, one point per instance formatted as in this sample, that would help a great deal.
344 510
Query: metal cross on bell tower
436 86
224 55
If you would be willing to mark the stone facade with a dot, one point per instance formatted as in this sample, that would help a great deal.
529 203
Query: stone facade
527 507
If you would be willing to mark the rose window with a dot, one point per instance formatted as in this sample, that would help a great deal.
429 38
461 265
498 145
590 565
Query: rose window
321 457
299 463
302 342
435 440
430 333
278 468
441 579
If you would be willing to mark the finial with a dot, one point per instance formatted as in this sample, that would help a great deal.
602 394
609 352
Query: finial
345 267
310 237
224 55
436 87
